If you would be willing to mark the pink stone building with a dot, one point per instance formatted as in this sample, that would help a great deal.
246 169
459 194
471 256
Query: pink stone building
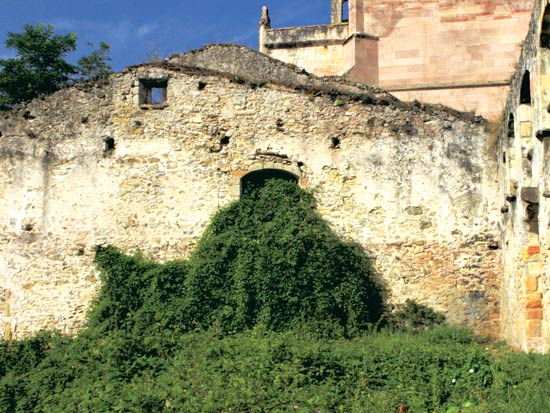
458 53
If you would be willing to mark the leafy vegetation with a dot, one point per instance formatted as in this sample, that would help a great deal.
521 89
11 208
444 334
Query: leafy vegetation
268 260
272 313
40 67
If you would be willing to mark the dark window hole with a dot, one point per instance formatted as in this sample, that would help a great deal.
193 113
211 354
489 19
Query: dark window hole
224 141
545 30
511 126
334 143
525 93
109 144
201 85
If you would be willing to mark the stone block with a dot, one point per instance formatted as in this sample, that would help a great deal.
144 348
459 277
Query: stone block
533 300
535 268
534 314
531 284
8 332
239 173
525 129
494 316
533 328
524 113
530 195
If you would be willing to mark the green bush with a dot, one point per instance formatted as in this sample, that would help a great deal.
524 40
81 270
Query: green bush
414 316
270 259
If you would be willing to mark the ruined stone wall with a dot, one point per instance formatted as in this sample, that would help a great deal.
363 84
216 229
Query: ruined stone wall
524 169
90 165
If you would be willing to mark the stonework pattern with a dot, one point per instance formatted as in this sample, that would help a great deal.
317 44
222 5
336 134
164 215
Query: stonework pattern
91 165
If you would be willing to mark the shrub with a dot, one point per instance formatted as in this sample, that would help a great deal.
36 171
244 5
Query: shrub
414 316
270 259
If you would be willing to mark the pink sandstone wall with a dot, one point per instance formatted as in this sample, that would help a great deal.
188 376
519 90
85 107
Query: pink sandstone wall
448 42
445 41
458 53
485 100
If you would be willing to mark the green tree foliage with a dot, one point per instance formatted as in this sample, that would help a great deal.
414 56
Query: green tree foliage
95 66
40 66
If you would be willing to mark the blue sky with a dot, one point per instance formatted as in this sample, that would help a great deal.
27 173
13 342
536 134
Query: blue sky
135 28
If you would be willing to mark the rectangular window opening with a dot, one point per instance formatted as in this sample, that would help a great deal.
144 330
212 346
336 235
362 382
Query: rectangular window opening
345 11
153 93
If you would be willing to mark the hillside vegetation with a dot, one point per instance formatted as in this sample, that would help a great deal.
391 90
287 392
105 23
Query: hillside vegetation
272 313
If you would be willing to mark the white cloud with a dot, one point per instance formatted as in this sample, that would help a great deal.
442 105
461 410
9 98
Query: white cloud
146 29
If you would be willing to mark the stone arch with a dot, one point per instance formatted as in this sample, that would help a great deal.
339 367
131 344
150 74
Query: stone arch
288 170
260 176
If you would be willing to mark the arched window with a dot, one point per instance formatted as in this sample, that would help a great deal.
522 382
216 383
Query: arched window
545 29
258 178
525 93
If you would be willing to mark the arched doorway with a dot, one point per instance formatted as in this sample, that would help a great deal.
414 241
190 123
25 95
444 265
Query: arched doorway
258 178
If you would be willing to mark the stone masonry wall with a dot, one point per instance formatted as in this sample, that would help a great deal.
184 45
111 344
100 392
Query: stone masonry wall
90 165
524 168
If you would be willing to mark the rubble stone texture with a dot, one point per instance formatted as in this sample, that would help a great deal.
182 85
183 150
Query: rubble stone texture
94 165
